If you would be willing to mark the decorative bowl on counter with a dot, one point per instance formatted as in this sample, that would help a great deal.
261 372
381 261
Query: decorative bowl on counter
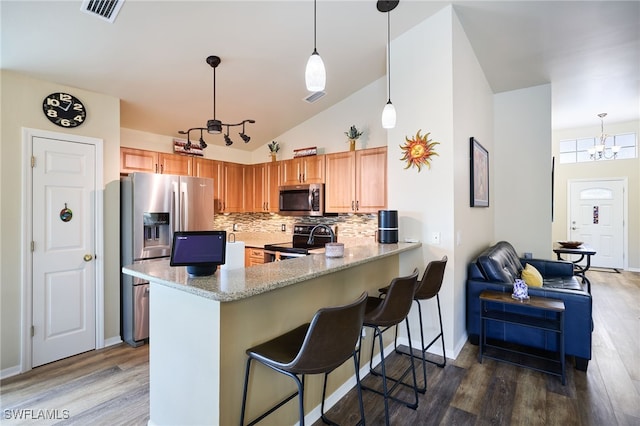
334 249
570 244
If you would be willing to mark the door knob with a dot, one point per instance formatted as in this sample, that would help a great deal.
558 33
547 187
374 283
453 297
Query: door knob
87 257
573 228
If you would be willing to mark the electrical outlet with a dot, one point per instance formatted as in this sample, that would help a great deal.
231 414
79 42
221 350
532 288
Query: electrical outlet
283 227
235 227
435 238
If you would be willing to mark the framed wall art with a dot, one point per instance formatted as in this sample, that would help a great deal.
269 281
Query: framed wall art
479 174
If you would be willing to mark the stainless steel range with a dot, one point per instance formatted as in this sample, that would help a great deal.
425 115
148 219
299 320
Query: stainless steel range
301 242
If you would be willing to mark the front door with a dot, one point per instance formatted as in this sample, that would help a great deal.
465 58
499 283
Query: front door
63 249
596 216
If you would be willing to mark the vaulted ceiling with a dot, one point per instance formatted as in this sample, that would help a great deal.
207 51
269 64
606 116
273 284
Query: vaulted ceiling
153 56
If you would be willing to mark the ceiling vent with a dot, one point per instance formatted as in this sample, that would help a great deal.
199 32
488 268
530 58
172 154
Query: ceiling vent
104 9
314 97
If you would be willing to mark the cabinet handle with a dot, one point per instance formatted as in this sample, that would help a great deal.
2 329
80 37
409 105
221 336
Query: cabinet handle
161 168
156 167
357 205
352 205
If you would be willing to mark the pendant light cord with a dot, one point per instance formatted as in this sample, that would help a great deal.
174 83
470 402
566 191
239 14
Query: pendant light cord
389 53
214 93
315 19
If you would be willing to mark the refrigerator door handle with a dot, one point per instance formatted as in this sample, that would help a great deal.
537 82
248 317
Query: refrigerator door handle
184 199
175 208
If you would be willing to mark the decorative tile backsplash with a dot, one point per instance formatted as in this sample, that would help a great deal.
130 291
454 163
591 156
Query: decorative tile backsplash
362 225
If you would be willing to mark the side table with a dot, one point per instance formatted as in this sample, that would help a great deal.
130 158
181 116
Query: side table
578 270
492 304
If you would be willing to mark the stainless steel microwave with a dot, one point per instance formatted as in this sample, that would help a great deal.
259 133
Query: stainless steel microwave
302 200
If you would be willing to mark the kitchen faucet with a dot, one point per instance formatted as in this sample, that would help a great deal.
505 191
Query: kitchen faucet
333 235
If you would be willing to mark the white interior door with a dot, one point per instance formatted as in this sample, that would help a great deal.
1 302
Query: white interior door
64 247
596 216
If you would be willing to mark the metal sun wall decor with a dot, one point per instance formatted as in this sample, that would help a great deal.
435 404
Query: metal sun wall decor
418 151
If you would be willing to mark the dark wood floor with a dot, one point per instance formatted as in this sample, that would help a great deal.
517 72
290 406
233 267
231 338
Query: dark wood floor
111 386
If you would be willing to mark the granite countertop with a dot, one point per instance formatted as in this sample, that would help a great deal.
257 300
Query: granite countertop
227 285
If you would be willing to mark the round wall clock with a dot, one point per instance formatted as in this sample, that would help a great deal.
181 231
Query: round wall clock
64 110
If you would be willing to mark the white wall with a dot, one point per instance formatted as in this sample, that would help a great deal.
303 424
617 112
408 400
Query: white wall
473 117
522 182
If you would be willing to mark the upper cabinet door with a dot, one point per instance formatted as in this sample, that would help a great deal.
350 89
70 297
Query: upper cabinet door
371 180
138 160
175 164
340 183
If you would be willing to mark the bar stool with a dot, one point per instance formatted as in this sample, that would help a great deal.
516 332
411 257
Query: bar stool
313 348
382 314
428 287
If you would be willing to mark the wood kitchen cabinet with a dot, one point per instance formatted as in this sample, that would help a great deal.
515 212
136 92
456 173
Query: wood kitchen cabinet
264 187
203 167
303 170
235 177
139 160
356 181
253 256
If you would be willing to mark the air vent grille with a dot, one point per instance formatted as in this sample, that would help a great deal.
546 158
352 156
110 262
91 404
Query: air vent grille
314 97
103 9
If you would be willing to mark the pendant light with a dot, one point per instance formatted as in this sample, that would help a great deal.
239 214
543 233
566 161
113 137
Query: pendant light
315 75
389 111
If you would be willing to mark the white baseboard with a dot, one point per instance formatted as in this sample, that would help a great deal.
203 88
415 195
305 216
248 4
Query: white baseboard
8 372
112 341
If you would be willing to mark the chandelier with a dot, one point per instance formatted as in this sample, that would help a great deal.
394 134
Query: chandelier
215 126
600 150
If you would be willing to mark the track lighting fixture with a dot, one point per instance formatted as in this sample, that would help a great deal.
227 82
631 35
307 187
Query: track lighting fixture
389 111
214 126
315 75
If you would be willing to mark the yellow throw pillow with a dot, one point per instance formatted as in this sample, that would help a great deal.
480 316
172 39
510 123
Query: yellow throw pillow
531 276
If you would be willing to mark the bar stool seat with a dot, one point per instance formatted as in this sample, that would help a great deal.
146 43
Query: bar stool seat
313 348
382 314
428 287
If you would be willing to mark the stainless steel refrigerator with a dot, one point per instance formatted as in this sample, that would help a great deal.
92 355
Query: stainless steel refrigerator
153 207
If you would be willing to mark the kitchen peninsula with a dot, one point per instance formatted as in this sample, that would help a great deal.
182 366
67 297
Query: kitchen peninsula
200 328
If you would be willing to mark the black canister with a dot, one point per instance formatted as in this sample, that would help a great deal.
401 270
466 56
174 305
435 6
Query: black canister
387 226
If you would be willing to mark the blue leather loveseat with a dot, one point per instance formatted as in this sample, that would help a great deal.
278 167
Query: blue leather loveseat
497 267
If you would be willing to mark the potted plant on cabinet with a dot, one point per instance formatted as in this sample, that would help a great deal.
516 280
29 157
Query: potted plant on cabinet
274 147
353 134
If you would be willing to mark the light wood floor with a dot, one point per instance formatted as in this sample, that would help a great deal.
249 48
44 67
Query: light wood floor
111 386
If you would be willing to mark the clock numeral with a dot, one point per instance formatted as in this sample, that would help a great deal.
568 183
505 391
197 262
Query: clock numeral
53 102
65 97
52 113
65 122
78 107
79 118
